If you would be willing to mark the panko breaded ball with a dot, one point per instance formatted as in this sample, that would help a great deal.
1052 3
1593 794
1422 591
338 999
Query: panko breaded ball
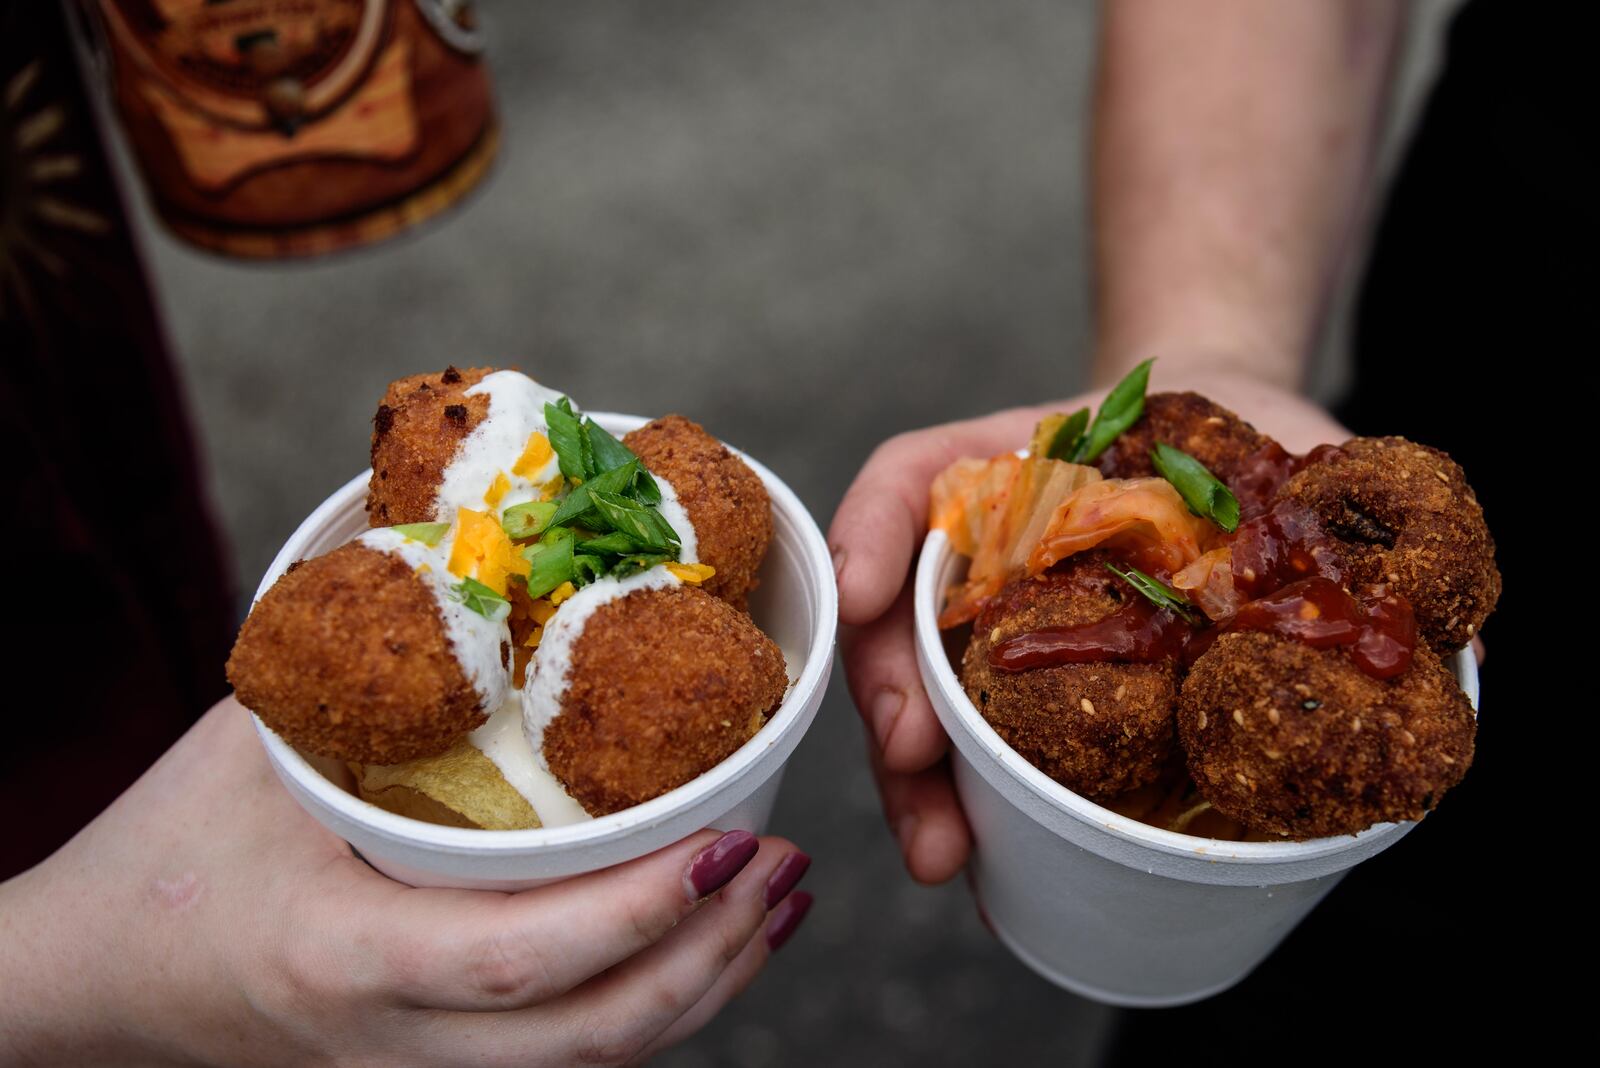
419 424
726 501
1405 516
1299 742
1098 729
664 684
346 656
1205 430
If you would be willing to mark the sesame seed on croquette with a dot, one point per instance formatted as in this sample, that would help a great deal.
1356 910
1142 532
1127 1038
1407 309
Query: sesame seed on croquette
1405 516
1200 427
663 685
1300 742
725 500
1098 729
346 656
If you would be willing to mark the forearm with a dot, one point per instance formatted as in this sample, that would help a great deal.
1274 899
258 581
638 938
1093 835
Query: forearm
1232 144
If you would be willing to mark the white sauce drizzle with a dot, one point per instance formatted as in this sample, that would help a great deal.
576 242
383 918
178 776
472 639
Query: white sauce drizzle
551 664
515 742
475 639
678 518
503 741
516 410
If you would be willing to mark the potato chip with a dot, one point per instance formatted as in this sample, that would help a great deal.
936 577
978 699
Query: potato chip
458 788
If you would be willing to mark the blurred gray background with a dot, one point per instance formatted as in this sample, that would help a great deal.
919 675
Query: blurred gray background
808 226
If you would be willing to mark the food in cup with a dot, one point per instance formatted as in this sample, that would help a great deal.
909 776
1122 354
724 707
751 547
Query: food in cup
1120 734
1254 606
530 625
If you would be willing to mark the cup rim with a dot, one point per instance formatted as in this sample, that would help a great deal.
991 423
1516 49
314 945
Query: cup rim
953 699
814 558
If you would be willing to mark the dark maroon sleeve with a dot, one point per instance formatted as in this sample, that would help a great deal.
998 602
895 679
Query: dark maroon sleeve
120 608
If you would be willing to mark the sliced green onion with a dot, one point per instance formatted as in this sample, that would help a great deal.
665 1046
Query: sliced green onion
632 565
580 506
428 534
640 522
569 441
1157 592
1066 439
1202 491
550 561
522 521
1121 409
614 544
586 568
481 599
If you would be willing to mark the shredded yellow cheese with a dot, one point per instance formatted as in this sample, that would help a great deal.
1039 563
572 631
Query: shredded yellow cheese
541 611
497 489
551 489
535 455
694 574
532 640
562 592
483 551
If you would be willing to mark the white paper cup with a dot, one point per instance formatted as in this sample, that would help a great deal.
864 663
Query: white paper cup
796 605
1099 903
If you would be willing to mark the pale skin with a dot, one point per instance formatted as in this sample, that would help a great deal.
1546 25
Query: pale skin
1233 143
205 918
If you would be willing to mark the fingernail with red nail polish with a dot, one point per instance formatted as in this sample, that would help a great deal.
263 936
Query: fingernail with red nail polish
786 919
715 866
786 876
885 711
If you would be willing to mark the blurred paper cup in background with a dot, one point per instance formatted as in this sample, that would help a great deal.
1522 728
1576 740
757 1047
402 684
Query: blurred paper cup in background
1101 904
796 605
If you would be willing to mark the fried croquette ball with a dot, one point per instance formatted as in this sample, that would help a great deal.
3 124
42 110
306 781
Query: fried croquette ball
726 501
1209 432
1405 516
1299 742
420 422
663 685
346 656
1098 729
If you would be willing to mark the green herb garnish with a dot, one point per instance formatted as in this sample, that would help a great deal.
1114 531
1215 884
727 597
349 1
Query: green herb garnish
428 534
1202 491
481 599
1121 409
579 506
523 521
571 444
1157 592
1067 437
586 568
614 544
550 561
632 565
640 522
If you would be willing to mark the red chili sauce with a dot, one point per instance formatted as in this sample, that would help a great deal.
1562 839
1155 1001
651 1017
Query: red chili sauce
1283 560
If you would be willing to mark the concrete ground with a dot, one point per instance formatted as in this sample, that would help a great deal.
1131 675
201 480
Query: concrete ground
807 225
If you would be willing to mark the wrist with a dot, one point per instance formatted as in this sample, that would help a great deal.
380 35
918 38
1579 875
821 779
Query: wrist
60 971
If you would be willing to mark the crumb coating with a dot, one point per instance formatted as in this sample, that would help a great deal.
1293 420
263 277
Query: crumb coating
346 656
1098 729
1405 516
726 501
416 431
664 685
1299 742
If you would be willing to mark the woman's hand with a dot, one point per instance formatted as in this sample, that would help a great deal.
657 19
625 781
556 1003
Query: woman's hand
875 536
205 917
